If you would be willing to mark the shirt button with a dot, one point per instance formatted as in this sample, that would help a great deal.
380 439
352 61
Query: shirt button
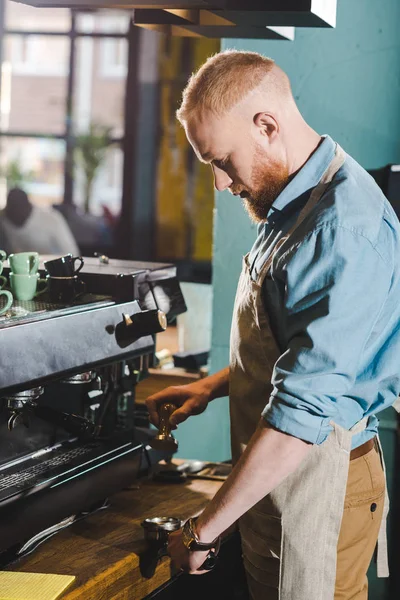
373 507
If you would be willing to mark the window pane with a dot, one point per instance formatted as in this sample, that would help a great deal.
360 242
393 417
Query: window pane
35 71
105 21
37 165
100 84
106 192
22 17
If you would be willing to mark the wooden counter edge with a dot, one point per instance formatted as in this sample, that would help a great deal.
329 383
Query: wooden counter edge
107 565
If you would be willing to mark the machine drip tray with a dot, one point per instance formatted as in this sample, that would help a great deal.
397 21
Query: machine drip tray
66 460
29 475
39 491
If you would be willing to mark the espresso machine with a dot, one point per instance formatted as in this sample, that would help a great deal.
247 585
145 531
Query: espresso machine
71 434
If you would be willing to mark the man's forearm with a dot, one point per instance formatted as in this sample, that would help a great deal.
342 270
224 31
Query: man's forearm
268 459
218 384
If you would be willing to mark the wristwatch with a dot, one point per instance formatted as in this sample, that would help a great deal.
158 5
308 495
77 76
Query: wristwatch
191 540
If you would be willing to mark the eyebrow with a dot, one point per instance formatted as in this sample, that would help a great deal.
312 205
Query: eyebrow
207 157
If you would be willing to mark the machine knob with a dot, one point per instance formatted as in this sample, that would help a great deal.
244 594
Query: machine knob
143 323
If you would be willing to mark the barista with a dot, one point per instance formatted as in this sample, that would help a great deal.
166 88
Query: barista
314 342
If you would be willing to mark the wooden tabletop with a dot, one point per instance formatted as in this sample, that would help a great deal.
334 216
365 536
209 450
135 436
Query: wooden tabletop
103 550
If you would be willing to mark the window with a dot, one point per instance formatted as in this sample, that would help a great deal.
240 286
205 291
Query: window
35 84
113 58
36 134
19 17
40 162
98 98
106 21
107 186
37 55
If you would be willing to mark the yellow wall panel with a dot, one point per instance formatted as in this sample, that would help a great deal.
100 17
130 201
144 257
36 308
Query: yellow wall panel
185 196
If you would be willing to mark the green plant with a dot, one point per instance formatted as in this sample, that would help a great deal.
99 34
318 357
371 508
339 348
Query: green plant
15 175
90 152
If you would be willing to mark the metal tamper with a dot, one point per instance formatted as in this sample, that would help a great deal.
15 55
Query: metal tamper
165 440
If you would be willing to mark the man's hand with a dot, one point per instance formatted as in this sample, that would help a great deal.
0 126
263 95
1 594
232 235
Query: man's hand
182 558
191 399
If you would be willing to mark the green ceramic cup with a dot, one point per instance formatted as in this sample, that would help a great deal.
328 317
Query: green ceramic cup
24 263
9 301
25 287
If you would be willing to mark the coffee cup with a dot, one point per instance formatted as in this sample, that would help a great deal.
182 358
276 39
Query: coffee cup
24 263
64 266
3 280
64 290
9 300
25 287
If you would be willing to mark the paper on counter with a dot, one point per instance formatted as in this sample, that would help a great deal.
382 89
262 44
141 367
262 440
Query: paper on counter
32 586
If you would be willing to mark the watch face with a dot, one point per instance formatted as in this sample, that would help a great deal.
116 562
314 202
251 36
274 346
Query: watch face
187 537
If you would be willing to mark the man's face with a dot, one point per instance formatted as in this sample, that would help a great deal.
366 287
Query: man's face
242 161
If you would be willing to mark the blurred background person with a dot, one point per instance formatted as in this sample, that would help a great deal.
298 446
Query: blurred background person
25 227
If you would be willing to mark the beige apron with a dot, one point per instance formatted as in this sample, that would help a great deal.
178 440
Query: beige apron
289 539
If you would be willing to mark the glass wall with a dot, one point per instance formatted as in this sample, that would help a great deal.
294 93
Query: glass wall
62 133
63 80
41 164
35 68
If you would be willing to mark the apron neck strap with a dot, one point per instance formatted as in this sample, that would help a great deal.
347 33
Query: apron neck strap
333 167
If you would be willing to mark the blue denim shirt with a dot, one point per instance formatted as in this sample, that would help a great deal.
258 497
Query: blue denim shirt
333 300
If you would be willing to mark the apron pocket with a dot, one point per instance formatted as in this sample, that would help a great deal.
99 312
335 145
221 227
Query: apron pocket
262 533
263 524
267 576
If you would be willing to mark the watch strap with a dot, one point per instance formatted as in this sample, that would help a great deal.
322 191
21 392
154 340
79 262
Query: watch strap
191 540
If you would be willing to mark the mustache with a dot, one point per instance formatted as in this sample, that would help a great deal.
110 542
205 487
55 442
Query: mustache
239 191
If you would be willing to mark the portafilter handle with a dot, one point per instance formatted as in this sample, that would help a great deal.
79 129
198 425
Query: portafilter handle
146 322
165 440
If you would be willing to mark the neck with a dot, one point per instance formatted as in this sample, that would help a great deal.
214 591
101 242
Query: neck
306 141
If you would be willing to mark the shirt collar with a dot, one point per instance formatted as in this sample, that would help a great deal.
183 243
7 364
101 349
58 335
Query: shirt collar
304 181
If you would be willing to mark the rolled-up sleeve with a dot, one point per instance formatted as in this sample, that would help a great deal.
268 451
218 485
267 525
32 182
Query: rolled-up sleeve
334 285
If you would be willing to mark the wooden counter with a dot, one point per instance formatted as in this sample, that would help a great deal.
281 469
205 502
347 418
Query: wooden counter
102 551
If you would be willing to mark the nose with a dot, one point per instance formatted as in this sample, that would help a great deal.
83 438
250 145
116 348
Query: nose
222 181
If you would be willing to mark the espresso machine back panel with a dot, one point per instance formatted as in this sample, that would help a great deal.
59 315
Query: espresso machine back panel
155 285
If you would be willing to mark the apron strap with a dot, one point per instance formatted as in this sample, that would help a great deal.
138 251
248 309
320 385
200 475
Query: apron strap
382 562
396 404
334 166
360 426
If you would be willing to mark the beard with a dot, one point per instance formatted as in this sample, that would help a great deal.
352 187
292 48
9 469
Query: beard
269 178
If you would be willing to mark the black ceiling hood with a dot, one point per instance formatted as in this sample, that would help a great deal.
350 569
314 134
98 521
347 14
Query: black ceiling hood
203 23
287 13
223 31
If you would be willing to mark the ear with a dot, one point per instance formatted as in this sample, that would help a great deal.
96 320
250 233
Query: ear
267 125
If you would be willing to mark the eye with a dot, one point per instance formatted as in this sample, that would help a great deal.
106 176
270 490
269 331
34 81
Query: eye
221 163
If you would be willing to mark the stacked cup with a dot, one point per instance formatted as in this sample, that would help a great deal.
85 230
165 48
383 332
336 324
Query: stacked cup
64 283
3 280
24 276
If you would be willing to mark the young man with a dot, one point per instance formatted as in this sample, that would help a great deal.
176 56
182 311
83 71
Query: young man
314 342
